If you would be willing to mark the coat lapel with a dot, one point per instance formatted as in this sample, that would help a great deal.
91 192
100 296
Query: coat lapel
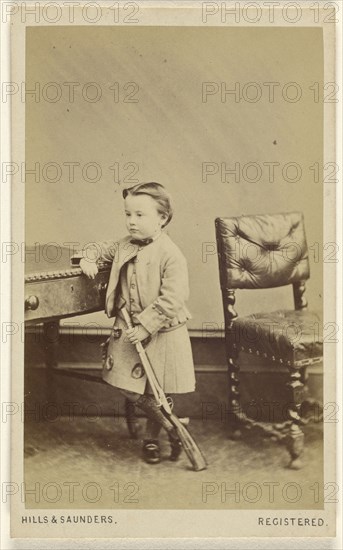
126 251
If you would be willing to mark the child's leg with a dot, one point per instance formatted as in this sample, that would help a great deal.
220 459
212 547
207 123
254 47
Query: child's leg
131 418
148 404
157 420
152 429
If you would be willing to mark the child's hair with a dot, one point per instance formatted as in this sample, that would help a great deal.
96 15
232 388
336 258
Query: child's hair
157 192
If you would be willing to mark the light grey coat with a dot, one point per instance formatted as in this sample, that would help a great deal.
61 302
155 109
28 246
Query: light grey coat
162 282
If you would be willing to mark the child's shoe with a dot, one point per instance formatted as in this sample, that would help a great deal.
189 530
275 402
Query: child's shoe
151 451
176 446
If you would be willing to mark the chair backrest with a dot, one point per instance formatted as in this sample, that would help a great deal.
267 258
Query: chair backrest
262 251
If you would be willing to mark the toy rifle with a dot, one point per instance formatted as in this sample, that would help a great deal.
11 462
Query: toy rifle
190 447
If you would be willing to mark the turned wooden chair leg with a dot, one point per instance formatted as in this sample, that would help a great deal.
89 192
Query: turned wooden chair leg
131 419
311 408
234 416
295 438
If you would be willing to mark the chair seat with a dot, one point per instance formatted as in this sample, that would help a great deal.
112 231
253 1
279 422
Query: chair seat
289 337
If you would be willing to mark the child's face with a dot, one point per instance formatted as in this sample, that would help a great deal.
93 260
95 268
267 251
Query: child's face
142 218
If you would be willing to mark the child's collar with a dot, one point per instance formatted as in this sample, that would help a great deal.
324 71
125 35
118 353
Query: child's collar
145 242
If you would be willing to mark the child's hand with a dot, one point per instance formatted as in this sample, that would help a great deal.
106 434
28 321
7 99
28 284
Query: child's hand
137 334
89 268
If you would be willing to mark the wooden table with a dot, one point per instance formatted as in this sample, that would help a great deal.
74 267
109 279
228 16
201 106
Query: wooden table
55 290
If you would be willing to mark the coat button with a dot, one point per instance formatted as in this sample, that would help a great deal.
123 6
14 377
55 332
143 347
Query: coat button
137 371
109 363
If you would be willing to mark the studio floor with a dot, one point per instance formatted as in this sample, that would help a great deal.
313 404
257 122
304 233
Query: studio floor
82 464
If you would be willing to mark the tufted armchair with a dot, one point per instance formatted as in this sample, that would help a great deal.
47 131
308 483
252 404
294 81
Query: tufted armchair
258 252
